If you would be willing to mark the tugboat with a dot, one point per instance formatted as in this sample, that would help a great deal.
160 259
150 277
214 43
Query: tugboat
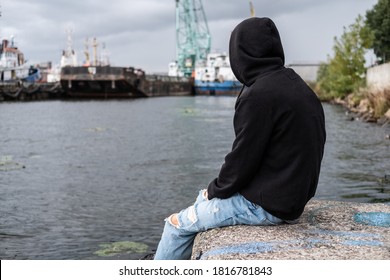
13 67
17 78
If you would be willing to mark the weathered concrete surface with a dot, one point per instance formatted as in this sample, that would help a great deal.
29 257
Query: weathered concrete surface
378 77
327 230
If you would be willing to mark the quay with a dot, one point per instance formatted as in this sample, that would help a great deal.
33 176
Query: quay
327 230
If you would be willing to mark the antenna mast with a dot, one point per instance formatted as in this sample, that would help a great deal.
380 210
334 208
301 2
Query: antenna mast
252 9
69 55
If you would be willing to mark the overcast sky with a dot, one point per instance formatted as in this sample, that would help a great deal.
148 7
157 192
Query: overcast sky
141 33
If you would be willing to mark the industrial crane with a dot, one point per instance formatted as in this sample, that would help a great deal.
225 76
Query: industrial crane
193 38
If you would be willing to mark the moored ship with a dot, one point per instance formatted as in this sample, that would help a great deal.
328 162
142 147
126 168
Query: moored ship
119 82
13 67
18 80
98 79
215 77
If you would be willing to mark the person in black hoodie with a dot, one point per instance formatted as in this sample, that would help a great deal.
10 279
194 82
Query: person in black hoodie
273 168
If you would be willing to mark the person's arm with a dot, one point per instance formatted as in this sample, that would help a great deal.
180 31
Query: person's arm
253 128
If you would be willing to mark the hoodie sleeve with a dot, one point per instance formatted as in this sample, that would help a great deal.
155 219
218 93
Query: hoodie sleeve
253 127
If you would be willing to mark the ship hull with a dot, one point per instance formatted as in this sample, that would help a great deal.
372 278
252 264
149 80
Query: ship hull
217 88
80 88
119 82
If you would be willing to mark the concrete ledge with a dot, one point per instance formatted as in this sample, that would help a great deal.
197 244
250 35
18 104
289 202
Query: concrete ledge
327 230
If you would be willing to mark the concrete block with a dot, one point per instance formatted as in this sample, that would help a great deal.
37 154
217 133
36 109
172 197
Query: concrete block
327 230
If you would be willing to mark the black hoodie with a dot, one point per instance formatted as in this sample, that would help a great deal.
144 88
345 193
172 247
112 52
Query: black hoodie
279 126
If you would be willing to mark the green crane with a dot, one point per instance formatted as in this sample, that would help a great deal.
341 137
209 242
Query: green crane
193 39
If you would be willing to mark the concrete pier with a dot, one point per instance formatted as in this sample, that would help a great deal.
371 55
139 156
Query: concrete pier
327 230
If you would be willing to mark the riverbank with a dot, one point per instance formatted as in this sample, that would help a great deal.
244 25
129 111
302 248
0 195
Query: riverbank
370 103
367 106
327 230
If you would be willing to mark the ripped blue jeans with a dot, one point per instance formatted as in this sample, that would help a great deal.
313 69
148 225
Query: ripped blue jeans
178 237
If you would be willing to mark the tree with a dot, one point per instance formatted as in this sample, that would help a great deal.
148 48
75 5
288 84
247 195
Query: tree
345 71
378 20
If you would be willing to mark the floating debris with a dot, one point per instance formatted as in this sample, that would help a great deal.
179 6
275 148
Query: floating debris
5 159
96 129
7 163
385 179
122 247
189 111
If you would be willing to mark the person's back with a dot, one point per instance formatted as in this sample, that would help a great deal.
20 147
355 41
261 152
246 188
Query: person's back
274 165
279 124
288 173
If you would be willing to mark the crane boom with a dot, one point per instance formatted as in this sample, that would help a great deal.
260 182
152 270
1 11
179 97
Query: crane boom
193 39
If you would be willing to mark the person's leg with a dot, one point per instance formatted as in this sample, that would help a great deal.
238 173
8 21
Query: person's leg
180 229
176 242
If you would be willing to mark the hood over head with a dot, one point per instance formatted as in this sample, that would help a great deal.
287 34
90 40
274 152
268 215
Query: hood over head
254 49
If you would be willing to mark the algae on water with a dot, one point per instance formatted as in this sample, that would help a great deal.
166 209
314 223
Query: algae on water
7 163
122 247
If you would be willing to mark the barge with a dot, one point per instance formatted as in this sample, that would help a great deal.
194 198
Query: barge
97 78
120 82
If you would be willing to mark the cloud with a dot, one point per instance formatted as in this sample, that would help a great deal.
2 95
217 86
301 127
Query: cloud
141 33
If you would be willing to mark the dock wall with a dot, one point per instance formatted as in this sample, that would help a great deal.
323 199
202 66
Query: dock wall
327 230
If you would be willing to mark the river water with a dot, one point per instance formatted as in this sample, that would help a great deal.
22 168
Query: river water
95 179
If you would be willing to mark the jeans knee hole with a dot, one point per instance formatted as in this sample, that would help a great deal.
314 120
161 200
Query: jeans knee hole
192 214
173 221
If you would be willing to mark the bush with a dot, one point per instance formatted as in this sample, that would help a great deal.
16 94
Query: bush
379 101
345 72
